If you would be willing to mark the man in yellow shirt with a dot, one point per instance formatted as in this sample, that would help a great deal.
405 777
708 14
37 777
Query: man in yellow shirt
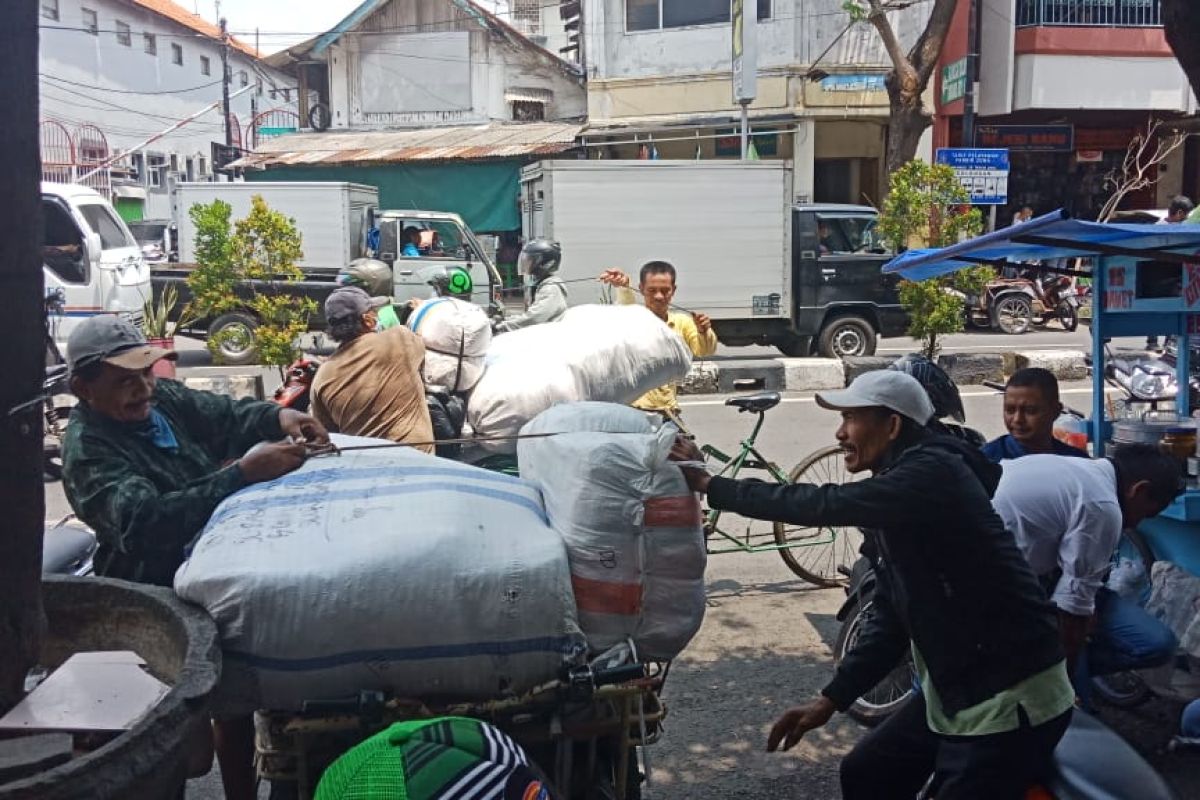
657 287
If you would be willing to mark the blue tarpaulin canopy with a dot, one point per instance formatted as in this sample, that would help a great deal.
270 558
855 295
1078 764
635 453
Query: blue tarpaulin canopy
1049 237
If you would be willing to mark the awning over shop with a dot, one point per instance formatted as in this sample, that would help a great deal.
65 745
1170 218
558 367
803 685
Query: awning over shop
661 122
494 141
484 193
519 94
1049 237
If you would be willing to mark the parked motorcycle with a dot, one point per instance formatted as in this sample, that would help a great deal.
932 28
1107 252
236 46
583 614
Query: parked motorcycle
1013 305
57 400
68 548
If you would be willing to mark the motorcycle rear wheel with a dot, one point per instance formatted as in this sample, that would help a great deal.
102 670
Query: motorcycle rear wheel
1068 316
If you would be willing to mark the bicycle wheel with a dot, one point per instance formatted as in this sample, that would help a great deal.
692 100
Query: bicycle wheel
816 553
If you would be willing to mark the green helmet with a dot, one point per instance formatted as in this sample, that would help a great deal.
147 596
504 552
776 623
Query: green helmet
454 282
372 276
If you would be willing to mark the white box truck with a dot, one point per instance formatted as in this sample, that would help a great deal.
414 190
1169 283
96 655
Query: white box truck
802 278
332 217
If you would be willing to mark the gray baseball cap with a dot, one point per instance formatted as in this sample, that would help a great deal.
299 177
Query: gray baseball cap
882 388
109 339
351 301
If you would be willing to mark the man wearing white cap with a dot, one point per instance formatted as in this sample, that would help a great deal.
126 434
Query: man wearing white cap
952 586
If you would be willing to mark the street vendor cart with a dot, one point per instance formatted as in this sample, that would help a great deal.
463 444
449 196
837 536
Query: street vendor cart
1146 281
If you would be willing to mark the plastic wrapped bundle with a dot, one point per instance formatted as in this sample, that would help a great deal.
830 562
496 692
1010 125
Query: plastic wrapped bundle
350 574
611 354
457 335
632 526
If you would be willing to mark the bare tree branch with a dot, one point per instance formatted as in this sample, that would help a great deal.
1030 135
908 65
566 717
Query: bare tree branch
1139 167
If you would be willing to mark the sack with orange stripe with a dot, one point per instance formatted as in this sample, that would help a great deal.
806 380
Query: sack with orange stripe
631 526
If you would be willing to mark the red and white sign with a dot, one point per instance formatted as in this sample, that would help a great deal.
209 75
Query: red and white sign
1089 156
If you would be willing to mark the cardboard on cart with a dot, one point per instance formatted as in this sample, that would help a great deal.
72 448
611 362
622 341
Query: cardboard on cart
90 693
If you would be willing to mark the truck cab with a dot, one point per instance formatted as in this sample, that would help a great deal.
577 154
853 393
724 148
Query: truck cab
842 301
89 255
439 241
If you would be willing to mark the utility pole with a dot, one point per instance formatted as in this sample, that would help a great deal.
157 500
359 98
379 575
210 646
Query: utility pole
225 82
970 99
22 324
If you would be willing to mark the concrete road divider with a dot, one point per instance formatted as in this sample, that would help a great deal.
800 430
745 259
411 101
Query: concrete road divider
967 369
814 374
758 375
236 386
1067 365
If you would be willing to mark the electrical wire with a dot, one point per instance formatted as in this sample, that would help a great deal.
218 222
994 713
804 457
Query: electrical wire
58 79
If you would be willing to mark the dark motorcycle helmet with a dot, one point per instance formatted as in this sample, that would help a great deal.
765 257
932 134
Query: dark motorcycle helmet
454 282
539 258
371 275
941 389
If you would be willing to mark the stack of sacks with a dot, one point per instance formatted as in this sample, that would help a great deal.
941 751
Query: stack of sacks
457 335
631 525
386 570
612 354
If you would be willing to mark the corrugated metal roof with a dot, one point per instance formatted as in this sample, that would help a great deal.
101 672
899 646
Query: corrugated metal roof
494 141
182 16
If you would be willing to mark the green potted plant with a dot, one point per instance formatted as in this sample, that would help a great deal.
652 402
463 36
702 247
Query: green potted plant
159 327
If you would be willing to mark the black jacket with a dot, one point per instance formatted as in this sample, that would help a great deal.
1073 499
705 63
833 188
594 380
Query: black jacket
950 577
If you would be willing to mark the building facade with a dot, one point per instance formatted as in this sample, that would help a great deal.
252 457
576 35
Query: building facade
1066 85
438 103
659 85
115 73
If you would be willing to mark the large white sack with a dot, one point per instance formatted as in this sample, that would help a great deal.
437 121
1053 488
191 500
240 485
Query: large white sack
1175 601
390 570
611 354
632 526
457 335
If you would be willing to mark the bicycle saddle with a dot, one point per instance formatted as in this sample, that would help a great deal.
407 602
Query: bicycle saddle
757 403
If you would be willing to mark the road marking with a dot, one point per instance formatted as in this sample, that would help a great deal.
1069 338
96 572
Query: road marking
982 393
989 348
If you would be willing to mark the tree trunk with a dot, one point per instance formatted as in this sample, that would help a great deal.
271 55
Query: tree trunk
1181 23
907 123
22 494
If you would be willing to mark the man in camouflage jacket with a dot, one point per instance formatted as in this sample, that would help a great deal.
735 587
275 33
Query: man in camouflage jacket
146 461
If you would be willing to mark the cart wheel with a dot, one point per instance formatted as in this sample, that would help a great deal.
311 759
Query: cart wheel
1121 689
816 553
1012 314
890 694
1068 317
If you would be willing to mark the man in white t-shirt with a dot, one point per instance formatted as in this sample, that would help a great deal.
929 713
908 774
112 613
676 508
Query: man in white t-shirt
1067 515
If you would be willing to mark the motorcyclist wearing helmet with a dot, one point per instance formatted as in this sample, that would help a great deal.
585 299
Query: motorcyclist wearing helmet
538 263
454 282
375 278
943 394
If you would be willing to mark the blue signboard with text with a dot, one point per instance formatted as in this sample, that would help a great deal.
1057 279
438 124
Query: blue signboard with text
983 172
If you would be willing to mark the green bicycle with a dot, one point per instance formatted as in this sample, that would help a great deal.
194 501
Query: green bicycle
814 554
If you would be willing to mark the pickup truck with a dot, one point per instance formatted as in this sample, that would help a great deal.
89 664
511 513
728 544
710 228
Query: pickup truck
446 242
804 278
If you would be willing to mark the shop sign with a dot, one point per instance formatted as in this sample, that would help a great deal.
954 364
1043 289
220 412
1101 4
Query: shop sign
729 143
745 53
1118 295
1027 138
857 90
954 81
1191 288
1089 156
982 172
853 83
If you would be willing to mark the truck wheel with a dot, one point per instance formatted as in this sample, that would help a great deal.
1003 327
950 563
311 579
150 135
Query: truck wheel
847 336
793 345
234 335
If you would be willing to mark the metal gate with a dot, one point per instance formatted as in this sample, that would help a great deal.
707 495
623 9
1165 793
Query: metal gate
68 156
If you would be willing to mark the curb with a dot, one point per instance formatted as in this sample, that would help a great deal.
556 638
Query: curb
238 387
815 374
